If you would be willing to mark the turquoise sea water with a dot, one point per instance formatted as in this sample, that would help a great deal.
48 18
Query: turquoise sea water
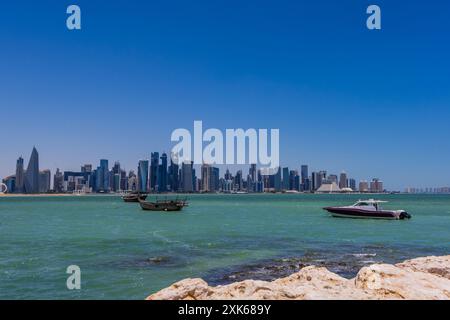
126 253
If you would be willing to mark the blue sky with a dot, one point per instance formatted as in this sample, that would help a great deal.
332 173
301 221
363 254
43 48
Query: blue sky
373 103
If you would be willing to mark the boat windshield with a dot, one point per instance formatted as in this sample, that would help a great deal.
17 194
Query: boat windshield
374 204
363 204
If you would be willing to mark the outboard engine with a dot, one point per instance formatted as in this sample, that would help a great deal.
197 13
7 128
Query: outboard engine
404 215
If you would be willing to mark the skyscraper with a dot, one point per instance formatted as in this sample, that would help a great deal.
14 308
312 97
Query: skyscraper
44 181
343 180
206 177
304 173
277 180
187 177
162 174
294 180
285 178
352 184
210 178
238 183
228 175
376 185
363 186
215 179
154 164
115 177
253 172
132 181
304 178
195 187
115 182
58 181
317 179
99 181
267 181
252 178
142 177
89 177
19 184
123 180
260 183
104 175
32 174
174 180
296 185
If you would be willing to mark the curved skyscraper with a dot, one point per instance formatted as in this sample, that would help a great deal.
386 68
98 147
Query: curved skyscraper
32 173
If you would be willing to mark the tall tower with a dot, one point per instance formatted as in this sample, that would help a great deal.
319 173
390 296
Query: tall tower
216 178
44 181
187 177
19 176
252 172
58 181
285 179
238 183
32 174
162 174
142 177
252 178
104 165
343 180
277 180
174 180
206 177
228 175
154 164
115 177
304 173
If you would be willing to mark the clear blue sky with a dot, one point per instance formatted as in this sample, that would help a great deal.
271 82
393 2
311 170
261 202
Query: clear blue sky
373 103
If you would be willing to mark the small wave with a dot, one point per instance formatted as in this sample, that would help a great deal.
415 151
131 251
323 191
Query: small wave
369 261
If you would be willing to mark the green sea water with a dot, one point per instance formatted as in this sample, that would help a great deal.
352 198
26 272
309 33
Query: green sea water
126 253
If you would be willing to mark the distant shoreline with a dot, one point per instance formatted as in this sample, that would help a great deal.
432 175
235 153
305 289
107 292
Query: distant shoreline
38 195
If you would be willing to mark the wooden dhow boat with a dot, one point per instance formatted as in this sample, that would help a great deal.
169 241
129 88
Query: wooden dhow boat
164 205
134 196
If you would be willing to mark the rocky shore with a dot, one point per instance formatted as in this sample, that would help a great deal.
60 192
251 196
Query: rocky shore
425 278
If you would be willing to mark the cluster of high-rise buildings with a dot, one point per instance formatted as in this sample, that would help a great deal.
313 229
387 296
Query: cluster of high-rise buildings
161 174
429 190
31 179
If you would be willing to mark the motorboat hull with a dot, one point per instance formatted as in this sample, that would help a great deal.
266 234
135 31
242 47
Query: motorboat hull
355 213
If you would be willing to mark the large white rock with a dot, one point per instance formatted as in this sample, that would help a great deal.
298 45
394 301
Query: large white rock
422 278
439 266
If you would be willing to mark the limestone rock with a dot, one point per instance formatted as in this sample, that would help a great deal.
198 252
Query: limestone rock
386 281
439 266
422 278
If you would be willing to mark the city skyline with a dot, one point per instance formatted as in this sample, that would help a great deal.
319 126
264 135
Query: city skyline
159 175
341 95
234 168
